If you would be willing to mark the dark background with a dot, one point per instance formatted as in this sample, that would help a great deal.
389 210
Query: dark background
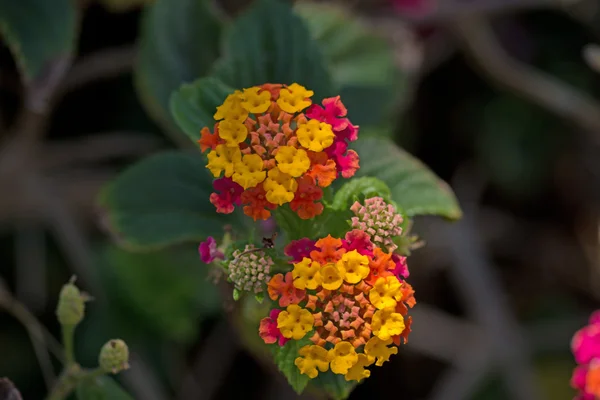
519 274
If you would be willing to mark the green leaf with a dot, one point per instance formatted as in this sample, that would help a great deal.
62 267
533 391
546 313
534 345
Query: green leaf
168 289
295 227
334 385
360 187
163 200
38 32
284 358
236 294
179 43
414 187
361 62
101 388
193 105
269 43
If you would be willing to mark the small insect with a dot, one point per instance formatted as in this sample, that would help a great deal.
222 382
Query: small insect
268 243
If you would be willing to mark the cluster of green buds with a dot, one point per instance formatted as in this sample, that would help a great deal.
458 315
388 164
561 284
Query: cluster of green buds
113 357
379 220
250 269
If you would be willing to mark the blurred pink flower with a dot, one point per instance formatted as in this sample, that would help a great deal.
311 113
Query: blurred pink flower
208 250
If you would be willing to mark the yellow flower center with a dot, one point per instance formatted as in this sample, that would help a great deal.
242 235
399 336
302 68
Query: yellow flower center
292 161
315 135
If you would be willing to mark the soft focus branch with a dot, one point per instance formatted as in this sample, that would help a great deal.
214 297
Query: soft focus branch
436 11
104 64
41 339
480 44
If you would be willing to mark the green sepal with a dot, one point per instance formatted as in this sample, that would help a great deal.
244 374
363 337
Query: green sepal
260 297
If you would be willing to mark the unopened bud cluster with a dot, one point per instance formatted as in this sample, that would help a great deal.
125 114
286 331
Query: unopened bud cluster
379 219
114 356
71 305
249 270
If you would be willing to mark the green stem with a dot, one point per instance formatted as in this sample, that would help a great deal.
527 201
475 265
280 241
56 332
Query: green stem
68 338
69 380
66 383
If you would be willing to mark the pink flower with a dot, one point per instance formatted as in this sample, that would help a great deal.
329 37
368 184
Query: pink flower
208 251
595 318
230 194
401 267
347 161
268 330
579 376
298 249
358 240
332 112
586 344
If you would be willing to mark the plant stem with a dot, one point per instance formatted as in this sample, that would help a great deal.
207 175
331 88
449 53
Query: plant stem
68 333
66 383
69 380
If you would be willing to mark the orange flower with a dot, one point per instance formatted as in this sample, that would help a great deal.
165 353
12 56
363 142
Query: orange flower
304 202
208 140
330 251
323 169
381 265
284 290
256 203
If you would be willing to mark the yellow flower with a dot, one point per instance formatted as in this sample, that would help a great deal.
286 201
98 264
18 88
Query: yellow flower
387 323
377 348
255 102
280 187
358 371
314 357
223 158
332 276
249 171
232 132
342 357
292 161
315 135
386 292
232 109
306 274
356 266
295 323
293 99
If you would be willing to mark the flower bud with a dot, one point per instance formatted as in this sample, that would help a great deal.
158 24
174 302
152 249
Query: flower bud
114 356
71 305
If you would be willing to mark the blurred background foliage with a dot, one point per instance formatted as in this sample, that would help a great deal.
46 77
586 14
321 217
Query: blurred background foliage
528 172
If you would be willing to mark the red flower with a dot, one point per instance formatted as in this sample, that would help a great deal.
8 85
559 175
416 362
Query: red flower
284 290
229 195
306 198
268 330
298 249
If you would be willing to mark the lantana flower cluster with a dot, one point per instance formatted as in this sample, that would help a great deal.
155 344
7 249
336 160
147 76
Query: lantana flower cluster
343 300
586 349
347 297
271 146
